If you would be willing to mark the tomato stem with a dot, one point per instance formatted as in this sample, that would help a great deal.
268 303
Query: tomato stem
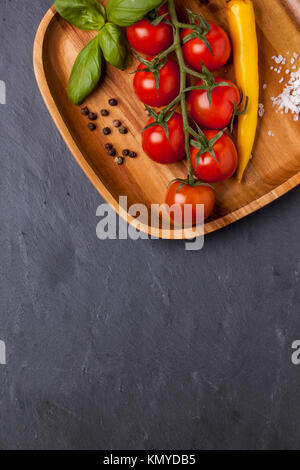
165 53
183 72
185 26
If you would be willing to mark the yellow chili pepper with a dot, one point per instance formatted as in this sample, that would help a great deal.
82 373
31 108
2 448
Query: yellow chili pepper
241 17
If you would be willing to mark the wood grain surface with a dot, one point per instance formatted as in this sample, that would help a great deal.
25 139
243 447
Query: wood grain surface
274 168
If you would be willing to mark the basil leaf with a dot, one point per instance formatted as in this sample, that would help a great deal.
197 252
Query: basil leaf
128 12
84 14
86 72
114 46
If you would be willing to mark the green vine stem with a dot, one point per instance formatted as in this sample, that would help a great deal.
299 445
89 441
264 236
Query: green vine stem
208 84
183 73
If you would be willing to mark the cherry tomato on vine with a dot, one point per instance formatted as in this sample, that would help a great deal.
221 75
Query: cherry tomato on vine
189 195
157 145
148 39
210 170
145 86
196 53
218 114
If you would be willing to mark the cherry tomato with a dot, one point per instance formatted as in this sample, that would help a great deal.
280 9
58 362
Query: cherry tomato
217 115
161 149
196 53
189 195
208 169
149 39
145 87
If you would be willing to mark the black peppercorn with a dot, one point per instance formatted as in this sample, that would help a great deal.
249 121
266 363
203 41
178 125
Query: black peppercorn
123 130
125 152
104 112
91 126
112 153
117 123
132 154
106 131
92 116
108 146
85 111
113 102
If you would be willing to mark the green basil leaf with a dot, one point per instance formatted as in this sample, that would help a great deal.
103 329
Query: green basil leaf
114 46
128 12
86 72
84 14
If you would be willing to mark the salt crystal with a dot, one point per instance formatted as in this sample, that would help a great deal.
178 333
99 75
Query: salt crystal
261 110
271 68
271 134
294 67
281 80
296 117
278 59
296 55
264 86
292 60
287 71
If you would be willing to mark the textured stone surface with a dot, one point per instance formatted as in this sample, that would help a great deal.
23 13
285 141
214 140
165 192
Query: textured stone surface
132 345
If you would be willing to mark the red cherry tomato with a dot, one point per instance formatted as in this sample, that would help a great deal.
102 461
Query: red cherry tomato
161 149
189 195
217 115
196 53
145 87
208 169
149 39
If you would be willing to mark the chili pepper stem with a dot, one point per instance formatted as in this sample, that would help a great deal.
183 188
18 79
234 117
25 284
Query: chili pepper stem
182 66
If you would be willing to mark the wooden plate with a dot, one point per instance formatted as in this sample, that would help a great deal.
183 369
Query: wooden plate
274 169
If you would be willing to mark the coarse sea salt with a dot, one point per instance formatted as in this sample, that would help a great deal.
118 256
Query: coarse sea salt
289 100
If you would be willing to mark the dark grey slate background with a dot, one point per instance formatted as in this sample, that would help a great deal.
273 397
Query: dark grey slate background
132 345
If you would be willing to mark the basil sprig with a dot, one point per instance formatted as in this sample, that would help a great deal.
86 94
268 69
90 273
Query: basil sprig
91 15
128 12
84 14
86 72
114 46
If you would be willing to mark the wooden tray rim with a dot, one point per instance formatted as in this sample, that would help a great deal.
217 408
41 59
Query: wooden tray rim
99 185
